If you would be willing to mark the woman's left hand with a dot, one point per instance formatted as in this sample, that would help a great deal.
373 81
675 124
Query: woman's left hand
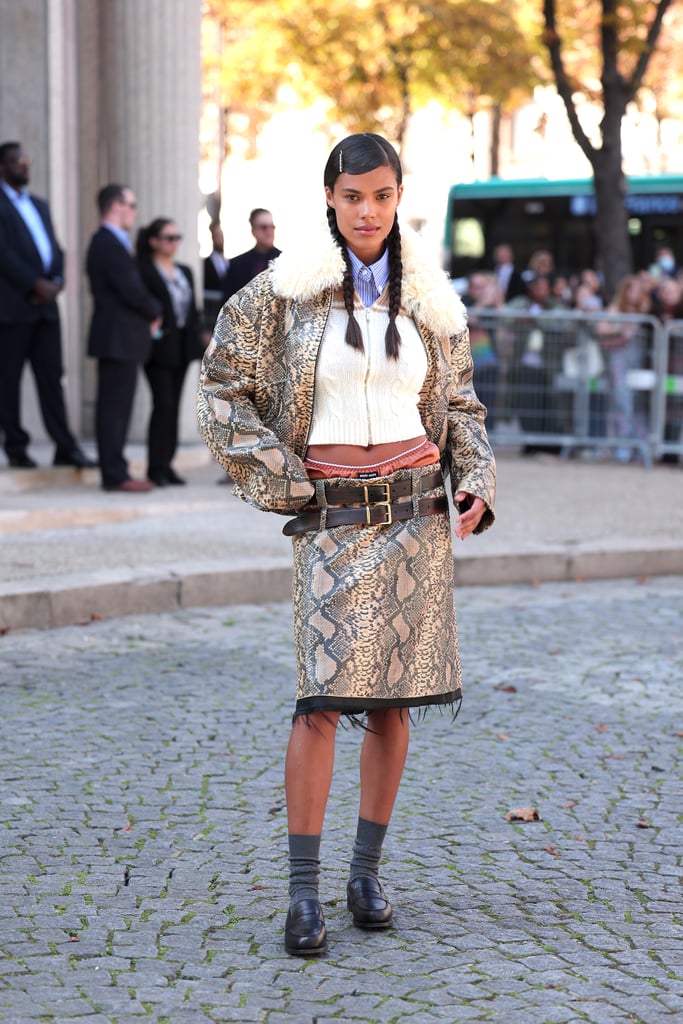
469 516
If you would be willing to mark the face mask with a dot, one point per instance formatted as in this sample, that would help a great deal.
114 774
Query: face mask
666 263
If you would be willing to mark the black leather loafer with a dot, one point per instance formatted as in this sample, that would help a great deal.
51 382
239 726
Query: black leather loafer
173 478
305 932
368 903
75 458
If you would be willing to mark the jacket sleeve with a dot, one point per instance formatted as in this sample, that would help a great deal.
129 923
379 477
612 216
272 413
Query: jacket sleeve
470 458
124 279
267 473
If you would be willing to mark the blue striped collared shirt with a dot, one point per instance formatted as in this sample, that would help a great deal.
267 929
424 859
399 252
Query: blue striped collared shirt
370 281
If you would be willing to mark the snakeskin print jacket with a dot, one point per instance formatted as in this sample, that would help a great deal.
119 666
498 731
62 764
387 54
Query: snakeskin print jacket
255 397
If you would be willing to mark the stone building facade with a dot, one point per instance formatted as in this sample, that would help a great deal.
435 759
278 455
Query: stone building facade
98 91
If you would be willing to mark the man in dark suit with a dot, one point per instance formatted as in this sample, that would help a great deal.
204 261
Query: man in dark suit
248 264
510 280
125 317
215 274
215 264
31 277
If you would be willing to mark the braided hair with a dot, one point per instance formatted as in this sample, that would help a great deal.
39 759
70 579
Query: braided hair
359 154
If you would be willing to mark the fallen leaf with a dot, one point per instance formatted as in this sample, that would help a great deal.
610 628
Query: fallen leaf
643 824
569 804
126 828
602 727
552 850
523 814
509 688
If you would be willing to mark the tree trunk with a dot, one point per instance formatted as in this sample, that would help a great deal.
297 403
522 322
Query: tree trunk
496 120
611 224
611 221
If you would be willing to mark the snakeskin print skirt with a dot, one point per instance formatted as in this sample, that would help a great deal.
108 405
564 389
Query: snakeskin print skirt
374 618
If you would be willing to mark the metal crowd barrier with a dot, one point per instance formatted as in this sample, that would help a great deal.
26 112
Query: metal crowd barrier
606 384
669 413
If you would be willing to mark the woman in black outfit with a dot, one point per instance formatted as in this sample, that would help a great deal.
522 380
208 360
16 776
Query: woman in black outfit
177 344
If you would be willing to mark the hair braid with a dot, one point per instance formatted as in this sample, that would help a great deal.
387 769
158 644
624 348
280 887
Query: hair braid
392 339
353 336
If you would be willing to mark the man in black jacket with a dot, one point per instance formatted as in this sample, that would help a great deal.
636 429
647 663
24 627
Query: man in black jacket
125 317
31 277
248 264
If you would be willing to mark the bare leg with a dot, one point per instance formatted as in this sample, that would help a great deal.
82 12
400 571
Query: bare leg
382 758
308 771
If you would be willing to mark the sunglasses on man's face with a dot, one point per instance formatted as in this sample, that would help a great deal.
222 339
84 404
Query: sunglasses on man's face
170 238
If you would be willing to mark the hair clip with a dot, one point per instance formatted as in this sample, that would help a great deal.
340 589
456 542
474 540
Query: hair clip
341 161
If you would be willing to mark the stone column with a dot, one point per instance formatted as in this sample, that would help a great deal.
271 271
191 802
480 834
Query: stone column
38 107
62 133
150 97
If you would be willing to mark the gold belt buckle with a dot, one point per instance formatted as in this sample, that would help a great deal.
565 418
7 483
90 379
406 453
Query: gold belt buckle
386 504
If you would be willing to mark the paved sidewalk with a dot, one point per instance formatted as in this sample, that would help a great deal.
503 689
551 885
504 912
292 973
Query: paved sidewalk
70 552
143 868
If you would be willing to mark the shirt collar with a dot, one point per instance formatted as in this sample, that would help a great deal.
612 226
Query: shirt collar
119 233
379 269
12 193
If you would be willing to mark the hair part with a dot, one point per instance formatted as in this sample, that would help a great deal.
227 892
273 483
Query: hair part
359 154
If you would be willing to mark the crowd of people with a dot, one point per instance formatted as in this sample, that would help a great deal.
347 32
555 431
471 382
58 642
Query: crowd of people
517 360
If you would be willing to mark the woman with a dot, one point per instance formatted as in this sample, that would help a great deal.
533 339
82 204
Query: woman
335 384
624 343
176 344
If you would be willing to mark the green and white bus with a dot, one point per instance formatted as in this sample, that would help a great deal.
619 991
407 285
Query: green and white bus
535 213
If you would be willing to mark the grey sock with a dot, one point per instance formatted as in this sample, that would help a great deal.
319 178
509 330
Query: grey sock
367 849
304 867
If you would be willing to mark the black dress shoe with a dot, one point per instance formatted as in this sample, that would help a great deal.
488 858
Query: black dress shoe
22 461
305 932
368 903
173 478
75 458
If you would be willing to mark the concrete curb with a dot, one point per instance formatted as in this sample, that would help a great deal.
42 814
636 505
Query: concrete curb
50 602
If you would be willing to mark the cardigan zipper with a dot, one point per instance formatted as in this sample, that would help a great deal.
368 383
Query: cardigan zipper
368 350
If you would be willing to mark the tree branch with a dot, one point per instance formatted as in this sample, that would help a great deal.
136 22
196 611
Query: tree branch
649 48
553 43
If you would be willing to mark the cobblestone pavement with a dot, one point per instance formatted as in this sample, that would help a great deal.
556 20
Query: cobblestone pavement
143 869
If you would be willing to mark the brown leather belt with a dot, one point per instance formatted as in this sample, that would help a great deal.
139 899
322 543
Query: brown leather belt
368 494
381 513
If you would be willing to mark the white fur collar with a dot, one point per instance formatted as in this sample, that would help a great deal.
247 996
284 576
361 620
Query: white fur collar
305 271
